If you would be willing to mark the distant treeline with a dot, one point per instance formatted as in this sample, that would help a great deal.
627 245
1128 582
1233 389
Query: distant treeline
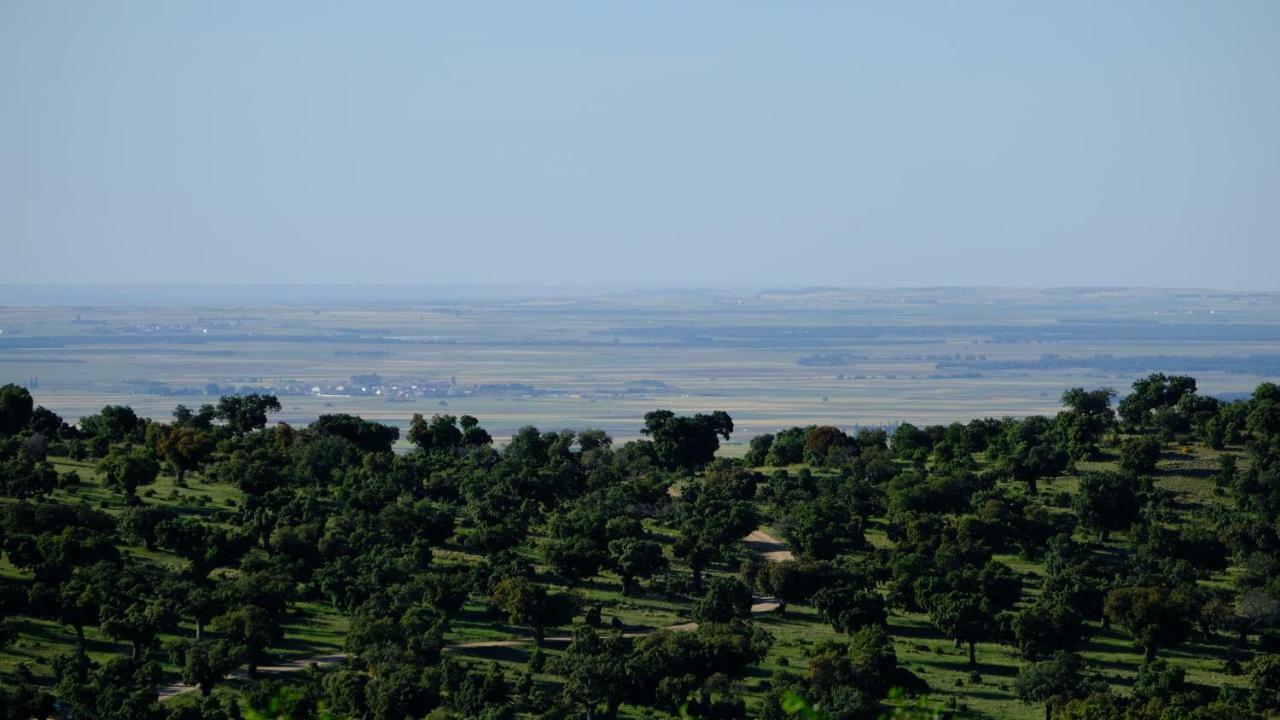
830 359
819 335
1263 365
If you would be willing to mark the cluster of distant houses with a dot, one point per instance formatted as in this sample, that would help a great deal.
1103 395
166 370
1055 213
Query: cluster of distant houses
358 386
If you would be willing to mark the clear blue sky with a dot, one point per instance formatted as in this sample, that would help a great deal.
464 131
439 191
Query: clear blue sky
669 143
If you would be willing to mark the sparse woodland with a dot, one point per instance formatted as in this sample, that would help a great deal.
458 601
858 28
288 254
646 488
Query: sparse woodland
1116 560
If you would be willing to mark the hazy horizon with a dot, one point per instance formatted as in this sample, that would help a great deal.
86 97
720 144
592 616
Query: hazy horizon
356 294
989 144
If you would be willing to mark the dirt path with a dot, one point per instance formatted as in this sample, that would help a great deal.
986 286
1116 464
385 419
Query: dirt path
765 545
288 666
768 547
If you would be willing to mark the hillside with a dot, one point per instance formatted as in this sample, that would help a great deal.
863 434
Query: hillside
1096 563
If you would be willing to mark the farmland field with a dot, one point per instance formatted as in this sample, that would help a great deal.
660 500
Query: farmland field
604 358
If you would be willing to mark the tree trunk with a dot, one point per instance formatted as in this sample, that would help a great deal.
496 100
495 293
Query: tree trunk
80 644
1048 711
782 608
973 655
206 689
958 645
1032 487
1103 534
1149 653
697 577
253 669
611 712
199 630
539 634
133 650
178 480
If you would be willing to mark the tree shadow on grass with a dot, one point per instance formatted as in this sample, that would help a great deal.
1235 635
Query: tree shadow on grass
506 654
917 632
294 646
597 585
967 693
773 619
960 664
472 616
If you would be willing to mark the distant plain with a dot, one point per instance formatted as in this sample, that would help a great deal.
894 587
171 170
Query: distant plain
602 358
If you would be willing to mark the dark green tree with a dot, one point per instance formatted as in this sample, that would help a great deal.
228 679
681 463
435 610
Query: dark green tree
726 599
1139 455
965 616
185 447
1028 450
633 558
1264 678
1155 616
527 603
115 423
792 580
441 433
823 528
850 608
1050 625
595 672
125 470
1106 502
711 519
1056 680
686 443
206 664
758 449
16 407
246 413
370 437
252 629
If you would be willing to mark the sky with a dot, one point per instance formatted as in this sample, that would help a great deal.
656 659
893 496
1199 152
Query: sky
655 143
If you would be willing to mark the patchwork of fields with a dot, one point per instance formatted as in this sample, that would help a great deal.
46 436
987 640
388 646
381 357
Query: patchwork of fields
603 359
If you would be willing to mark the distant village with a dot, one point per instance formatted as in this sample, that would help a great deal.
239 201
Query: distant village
374 385
358 386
